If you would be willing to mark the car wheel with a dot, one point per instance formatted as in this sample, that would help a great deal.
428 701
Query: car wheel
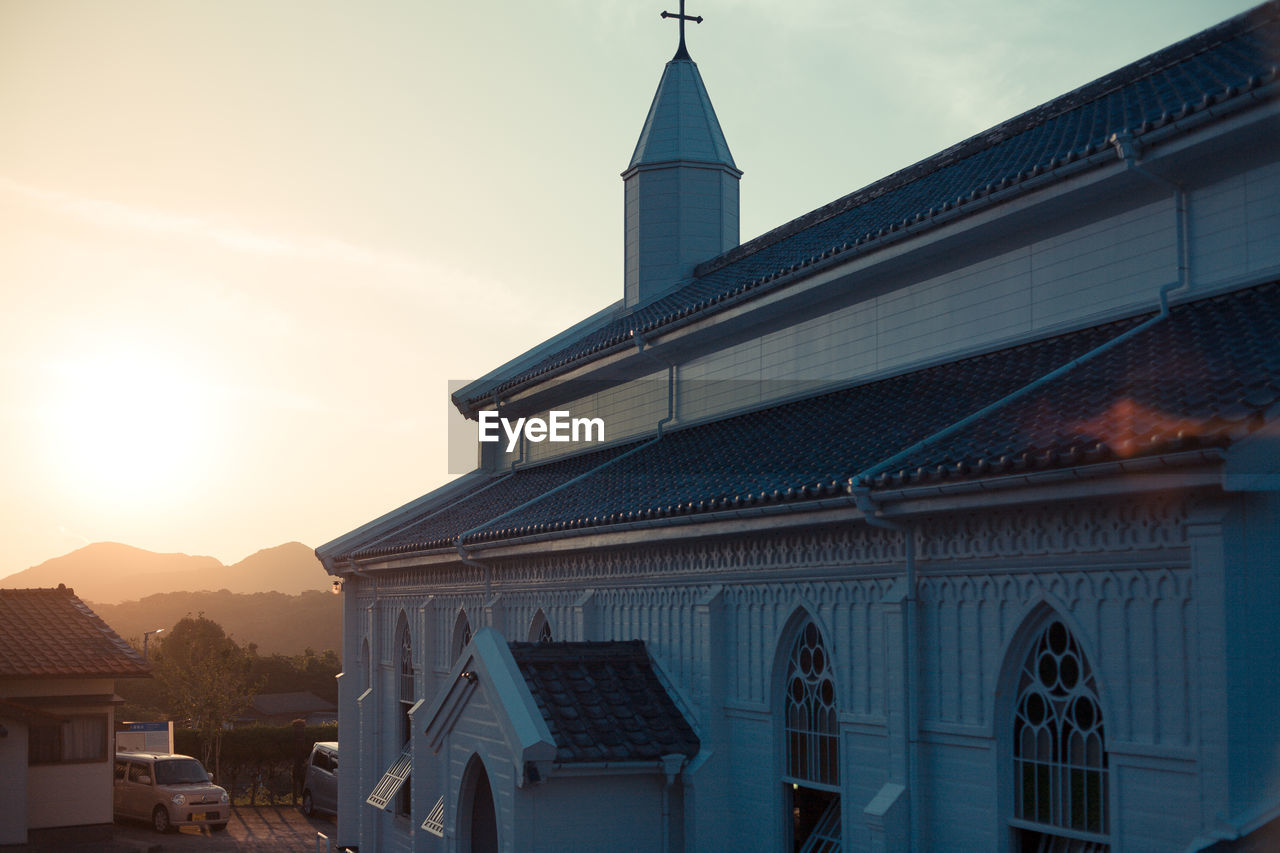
308 807
217 827
160 819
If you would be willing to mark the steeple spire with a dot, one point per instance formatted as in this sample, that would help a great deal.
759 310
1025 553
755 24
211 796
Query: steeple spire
682 52
681 184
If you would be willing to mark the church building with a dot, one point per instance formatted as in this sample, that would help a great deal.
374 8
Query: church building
945 517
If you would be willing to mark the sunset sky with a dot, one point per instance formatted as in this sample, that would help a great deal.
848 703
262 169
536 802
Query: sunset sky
245 246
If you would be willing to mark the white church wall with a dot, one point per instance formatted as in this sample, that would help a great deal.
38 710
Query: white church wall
1117 572
632 409
1252 703
477 732
755 819
1122 261
1237 225
958 799
617 813
1157 804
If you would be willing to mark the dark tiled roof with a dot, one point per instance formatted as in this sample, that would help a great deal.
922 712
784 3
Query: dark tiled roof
439 528
1205 376
1208 377
51 633
793 452
303 702
1226 63
603 701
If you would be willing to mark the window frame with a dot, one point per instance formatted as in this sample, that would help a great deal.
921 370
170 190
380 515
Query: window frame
57 744
1043 655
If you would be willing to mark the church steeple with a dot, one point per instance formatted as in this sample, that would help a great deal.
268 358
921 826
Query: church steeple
681 184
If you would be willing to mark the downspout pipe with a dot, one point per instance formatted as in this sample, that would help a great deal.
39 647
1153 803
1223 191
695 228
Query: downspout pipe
459 542
642 347
871 512
1129 149
671 767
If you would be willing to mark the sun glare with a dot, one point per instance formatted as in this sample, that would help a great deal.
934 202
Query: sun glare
126 425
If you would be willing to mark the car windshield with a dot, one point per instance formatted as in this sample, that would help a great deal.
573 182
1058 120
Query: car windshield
180 771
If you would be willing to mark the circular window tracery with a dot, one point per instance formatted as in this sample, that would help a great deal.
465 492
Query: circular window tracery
1060 761
811 721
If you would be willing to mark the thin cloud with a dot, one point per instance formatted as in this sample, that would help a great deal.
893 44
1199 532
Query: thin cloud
113 214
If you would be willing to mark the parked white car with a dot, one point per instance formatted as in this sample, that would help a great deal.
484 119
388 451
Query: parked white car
169 791
320 786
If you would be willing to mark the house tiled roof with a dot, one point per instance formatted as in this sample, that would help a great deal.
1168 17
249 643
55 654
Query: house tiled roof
1230 65
303 702
48 633
603 701
1205 376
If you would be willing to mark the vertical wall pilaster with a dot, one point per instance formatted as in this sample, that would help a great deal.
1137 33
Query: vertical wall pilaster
1208 566
584 617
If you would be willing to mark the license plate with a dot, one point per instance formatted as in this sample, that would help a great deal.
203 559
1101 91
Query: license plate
197 815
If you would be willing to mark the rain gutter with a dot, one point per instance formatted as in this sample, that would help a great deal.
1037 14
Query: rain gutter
820 509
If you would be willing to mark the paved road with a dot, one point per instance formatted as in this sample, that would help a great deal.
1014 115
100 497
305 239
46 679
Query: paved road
252 829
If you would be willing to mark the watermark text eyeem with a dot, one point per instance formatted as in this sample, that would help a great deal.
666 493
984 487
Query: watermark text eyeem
558 426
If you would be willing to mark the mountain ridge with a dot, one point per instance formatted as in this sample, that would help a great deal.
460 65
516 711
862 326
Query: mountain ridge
274 622
112 572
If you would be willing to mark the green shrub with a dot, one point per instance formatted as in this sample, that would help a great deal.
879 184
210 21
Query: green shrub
261 765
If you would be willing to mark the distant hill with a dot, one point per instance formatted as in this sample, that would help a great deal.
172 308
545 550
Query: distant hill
108 572
277 623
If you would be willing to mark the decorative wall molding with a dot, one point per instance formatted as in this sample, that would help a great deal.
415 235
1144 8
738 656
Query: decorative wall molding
1070 529
1117 569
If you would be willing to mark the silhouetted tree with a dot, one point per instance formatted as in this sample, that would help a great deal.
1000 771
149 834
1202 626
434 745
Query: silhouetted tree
205 678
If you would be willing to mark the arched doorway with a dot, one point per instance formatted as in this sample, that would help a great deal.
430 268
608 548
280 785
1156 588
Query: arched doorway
477 817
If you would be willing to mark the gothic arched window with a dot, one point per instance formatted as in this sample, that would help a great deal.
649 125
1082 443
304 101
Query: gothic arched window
540 628
812 734
406 677
404 803
461 635
1059 750
364 666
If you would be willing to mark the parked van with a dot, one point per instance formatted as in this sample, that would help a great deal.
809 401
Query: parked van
320 786
169 791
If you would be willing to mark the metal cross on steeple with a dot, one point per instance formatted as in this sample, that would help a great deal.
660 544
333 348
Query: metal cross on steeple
681 52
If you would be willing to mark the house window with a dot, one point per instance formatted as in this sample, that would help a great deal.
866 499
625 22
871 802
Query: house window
404 804
81 738
811 731
1059 750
